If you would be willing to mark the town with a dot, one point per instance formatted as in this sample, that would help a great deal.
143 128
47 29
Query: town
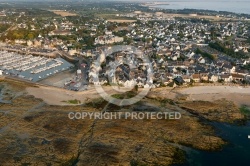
124 82
183 49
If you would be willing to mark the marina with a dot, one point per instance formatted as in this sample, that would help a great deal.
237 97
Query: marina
32 68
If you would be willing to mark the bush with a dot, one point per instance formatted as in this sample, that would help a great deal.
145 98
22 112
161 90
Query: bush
229 51
75 101
204 54
245 110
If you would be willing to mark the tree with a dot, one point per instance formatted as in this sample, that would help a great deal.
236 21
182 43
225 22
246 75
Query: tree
136 88
30 36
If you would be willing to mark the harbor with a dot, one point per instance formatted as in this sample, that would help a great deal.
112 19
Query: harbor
29 67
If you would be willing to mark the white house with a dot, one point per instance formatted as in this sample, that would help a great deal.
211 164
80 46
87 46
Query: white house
174 57
108 40
202 60
78 72
140 84
186 78
72 52
29 43
214 78
129 84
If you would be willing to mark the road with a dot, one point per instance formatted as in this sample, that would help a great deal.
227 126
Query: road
85 70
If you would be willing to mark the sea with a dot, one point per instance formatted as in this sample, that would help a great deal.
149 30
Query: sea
235 6
236 152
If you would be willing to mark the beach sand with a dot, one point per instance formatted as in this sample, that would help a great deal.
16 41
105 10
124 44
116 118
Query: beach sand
56 96
239 95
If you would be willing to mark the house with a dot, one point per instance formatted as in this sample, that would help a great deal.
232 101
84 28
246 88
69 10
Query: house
108 39
229 68
95 81
168 75
166 81
176 74
72 52
190 55
140 84
241 71
174 57
37 43
196 77
60 33
79 72
204 76
130 83
232 70
29 43
201 60
108 33
17 41
199 69
213 78
238 77
226 78
179 80
148 86
186 78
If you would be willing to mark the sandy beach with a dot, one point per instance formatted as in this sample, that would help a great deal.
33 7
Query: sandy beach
239 95
59 96
56 96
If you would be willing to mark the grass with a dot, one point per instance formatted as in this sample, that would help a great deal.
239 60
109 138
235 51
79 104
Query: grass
126 95
17 84
163 102
97 103
245 110
63 13
75 101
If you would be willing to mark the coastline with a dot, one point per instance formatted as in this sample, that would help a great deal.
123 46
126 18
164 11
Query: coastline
203 92
201 5
152 4
41 117
239 95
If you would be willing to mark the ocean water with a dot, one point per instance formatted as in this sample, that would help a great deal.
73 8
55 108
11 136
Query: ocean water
236 6
237 152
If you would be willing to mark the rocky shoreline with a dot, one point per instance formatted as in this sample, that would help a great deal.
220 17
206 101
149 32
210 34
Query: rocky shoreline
36 133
